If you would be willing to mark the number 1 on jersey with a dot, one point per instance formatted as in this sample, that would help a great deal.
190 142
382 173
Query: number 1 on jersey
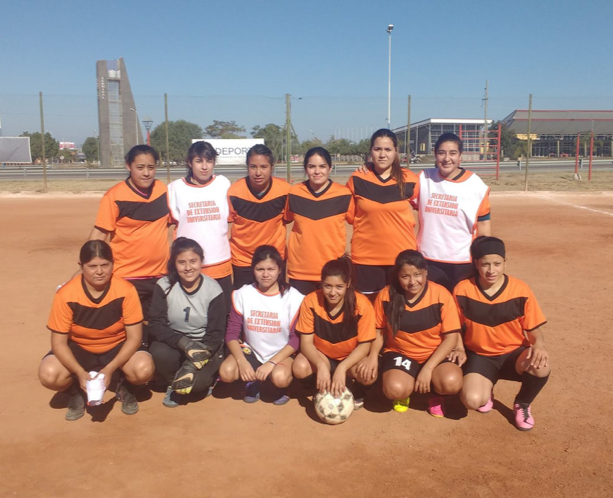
187 313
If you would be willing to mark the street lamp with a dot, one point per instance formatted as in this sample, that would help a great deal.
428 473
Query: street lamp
148 122
135 125
390 28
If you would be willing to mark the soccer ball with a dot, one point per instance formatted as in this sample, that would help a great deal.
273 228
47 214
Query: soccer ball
333 410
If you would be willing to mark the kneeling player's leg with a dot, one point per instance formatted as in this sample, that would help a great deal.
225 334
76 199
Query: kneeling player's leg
139 369
281 375
228 371
207 375
53 375
476 391
447 378
167 360
397 384
532 382
302 367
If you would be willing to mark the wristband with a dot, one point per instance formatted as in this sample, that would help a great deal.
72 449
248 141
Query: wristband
270 361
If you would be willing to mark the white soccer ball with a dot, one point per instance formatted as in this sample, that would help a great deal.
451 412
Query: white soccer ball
333 410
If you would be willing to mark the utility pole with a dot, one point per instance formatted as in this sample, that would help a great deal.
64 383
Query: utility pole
407 147
390 27
288 129
42 136
485 136
529 152
167 146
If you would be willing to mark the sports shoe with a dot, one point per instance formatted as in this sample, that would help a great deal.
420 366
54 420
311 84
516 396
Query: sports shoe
358 403
168 401
436 406
129 405
523 416
487 407
76 404
252 394
281 401
401 405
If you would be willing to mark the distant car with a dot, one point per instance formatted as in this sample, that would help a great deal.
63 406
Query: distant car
564 154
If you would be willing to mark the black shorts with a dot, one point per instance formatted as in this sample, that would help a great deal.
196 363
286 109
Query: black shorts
372 279
242 275
145 288
494 367
449 274
226 286
93 361
397 361
304 286
251 357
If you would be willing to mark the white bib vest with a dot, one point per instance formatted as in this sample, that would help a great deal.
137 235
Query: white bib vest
448 214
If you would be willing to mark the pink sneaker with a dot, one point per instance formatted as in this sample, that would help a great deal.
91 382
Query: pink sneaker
436 406
487 407
523 416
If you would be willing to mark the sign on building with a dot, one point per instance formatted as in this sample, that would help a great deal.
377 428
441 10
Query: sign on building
231 150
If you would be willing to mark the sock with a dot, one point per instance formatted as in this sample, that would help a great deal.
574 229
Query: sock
530 388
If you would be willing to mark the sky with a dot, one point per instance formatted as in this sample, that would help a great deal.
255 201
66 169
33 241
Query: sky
236 60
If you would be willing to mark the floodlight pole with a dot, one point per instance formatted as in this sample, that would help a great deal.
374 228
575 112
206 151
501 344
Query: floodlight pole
288 126
148 122
390 28
42 136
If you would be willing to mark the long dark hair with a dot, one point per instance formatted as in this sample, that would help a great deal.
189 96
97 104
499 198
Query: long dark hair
265 252
317 151
397 172
343 268
394 311
95 249
141 149
180 245
200 149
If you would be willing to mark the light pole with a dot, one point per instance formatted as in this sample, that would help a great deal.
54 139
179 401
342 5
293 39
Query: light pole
148 122
390 28
135 125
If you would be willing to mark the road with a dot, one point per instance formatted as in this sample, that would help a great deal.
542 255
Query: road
36 172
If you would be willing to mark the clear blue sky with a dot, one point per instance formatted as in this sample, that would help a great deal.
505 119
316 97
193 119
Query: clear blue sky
236 60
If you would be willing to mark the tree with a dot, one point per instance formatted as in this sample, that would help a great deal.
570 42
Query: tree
224 129
273 136
309 144
52 146
90 149
180 136
340 146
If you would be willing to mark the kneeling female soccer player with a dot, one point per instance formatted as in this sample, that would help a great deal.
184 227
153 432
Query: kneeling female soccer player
503 336
419 322
266 311
188 323
336 327
96 325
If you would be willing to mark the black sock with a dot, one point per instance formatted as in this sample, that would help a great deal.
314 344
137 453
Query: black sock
531 386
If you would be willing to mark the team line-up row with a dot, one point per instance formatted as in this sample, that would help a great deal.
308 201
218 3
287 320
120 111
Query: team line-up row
187 322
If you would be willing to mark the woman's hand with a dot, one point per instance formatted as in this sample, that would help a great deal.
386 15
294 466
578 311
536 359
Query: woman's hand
538 356
367 367
246 371
364 168
338 382
264 371
422 383
457 356
108 373
323 378
83 377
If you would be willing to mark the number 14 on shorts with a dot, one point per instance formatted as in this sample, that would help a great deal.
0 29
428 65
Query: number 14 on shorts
400 363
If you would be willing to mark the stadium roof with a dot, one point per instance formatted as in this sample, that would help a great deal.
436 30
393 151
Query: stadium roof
459 121
561 122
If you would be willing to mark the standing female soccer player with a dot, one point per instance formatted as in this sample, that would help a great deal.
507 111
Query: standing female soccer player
134 216
419 322
503 336
257 206
336 327
384 223
95 325
318 207
266 312
199 206
188 323
454 207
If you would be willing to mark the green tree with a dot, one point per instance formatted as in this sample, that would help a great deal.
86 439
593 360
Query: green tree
224 129
52 146
90 149
273 136
180 136
340 146
309 144
362 149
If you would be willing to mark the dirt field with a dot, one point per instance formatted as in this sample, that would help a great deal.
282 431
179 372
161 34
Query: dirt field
562 244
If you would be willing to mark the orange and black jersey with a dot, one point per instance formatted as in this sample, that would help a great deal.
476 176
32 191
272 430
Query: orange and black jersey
257 220
384 224
138 225
495 325
319 231
331 338
95 324
423 323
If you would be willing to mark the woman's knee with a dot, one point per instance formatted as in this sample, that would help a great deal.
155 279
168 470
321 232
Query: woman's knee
301 367
449 383
473 398
140 369
53 375
281 378
228 371
394 389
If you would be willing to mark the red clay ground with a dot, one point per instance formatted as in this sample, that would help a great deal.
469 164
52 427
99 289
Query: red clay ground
222 447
